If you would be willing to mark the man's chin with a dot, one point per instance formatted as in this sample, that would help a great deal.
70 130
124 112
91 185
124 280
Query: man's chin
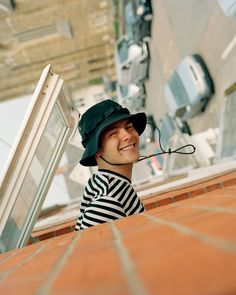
131 160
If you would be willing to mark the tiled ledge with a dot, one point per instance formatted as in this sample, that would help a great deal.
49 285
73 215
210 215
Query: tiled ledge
210 179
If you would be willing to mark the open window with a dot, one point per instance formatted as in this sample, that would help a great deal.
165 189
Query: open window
33 160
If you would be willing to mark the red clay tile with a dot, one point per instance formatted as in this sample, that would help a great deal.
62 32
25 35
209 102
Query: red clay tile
197 192
181 197
214 187
150 205
165 201
229 182
46 236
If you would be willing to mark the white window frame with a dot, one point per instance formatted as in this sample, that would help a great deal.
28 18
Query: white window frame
47 96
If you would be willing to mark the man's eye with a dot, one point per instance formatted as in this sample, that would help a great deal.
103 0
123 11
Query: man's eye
112 133
129 126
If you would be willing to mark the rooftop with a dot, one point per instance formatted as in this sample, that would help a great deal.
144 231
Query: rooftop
183 244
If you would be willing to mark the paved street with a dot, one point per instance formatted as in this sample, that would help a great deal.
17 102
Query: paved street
183 27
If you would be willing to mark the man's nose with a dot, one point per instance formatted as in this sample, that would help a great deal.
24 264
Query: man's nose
125 134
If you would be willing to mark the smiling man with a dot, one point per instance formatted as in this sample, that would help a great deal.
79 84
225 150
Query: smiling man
110 136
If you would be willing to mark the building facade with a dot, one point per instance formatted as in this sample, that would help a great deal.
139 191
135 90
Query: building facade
75 37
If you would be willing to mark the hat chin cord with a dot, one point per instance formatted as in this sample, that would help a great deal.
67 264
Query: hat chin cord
169 151
115 164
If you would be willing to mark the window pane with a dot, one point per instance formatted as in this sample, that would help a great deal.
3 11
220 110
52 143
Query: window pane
12 114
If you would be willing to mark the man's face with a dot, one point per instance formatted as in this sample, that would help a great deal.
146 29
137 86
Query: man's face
120 143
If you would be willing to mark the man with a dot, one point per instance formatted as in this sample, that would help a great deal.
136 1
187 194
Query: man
110 136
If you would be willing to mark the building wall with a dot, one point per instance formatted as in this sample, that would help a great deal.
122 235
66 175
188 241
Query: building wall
76 37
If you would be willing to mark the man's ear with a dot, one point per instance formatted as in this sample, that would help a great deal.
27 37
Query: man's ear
98 153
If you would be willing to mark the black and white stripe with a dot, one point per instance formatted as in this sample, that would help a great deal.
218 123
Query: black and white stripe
107 196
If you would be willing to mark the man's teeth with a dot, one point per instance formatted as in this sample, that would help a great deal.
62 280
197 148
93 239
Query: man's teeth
128 147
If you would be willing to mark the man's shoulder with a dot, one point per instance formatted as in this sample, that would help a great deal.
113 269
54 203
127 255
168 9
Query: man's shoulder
101 178
97 184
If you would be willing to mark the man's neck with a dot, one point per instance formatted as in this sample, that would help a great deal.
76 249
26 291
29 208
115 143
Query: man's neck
125 170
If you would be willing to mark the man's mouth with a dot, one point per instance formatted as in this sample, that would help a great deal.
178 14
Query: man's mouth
128 147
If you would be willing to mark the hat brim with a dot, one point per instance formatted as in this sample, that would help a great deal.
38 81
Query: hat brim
139 121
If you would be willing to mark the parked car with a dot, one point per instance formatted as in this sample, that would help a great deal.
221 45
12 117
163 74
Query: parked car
131 96
228 7
132 61
138 19
189 88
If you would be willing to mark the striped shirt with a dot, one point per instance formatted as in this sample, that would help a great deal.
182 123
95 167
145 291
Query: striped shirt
107 196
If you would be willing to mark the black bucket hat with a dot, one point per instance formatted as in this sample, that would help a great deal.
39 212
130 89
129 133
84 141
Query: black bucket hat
96 119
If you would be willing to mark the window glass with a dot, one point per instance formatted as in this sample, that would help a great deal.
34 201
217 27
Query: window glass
12 113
